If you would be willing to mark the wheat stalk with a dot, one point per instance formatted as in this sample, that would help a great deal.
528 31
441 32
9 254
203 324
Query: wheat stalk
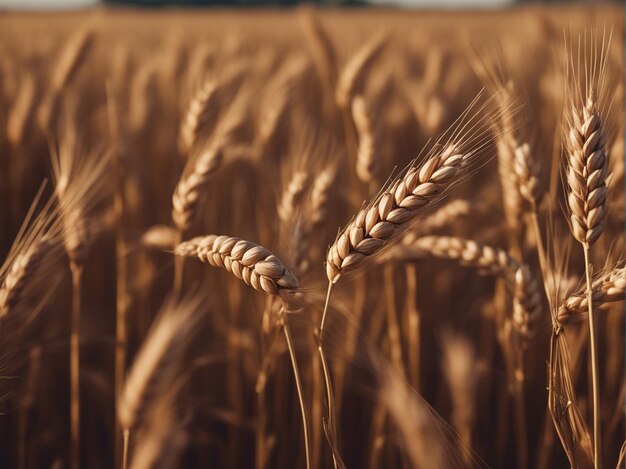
460 372
586 175
80 187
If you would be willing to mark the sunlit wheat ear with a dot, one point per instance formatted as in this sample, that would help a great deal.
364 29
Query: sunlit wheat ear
292 196
22 111
163 436
33 251
143 88
81 186
368 155
20 272
65 70
413 192
355 71
447 215
202 111
71 58
488 260
197 115
586 140
587 169
321 47
193 183
158 362
608 287
586 176
425 437
461 373
189 192
160 237
253 264
528 174
320 197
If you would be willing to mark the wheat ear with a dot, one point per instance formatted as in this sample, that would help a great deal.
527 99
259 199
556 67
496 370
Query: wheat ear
22 268
253 264
32 250
191 188
158 360
261 270
353 75
608 288
368 154
489 260
586 174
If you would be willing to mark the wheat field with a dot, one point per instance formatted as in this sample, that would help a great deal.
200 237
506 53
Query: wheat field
312 238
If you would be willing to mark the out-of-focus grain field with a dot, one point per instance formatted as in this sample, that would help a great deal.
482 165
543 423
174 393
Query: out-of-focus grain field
301 238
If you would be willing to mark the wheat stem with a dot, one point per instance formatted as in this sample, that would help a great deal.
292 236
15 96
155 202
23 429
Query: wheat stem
541 253
520 410
75 367
597 437
296 372
414 323
126 437
393 328
332 429
324 313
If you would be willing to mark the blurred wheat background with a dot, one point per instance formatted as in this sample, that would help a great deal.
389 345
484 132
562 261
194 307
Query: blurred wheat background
312 238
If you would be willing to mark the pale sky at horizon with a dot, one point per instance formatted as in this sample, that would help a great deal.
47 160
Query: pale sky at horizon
68 4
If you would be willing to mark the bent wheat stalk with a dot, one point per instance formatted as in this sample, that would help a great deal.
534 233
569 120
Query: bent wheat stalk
408 195
261 270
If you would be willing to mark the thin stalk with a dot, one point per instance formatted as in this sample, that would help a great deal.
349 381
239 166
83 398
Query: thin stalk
541 253
316 410
414 324
323 322
260 450
260 455
520 411
393 329
378 436
75 366
179 265
597 437
121 293
294 365
332 428
126 438
351 142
